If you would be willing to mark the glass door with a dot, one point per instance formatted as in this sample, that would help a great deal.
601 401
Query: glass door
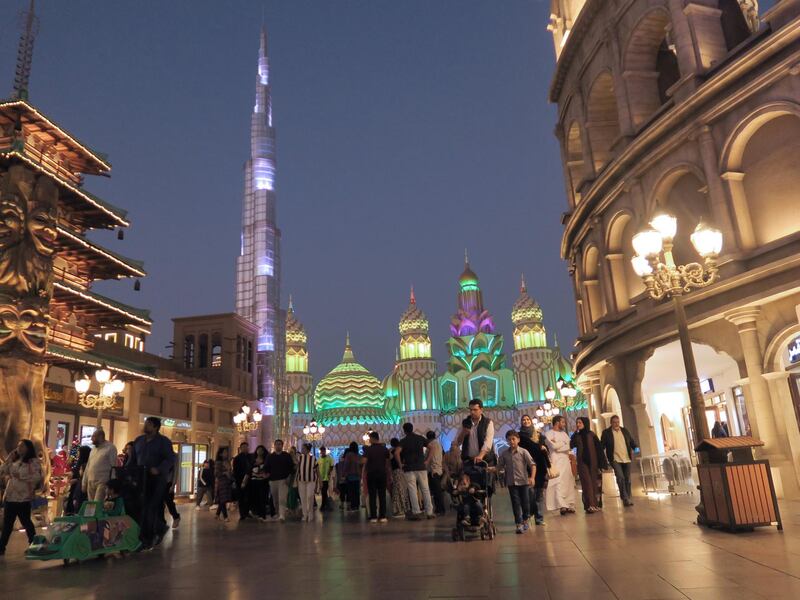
186 475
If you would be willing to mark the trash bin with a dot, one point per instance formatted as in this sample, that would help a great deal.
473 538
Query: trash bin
737 492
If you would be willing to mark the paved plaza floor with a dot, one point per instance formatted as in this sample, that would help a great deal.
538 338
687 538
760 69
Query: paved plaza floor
649 551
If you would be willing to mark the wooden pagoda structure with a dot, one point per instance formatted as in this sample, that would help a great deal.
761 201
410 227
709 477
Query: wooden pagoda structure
49 314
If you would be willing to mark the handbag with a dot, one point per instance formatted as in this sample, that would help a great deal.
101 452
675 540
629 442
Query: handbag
553 473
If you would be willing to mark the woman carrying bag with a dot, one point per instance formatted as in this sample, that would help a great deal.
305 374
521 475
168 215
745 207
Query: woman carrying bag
24 473
591 459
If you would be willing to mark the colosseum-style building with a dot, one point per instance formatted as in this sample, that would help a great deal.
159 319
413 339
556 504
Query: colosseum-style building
692 107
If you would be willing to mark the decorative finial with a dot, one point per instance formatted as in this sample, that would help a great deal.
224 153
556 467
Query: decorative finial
555 339
347 340
466 258
522 287
25 54
291 304
413 298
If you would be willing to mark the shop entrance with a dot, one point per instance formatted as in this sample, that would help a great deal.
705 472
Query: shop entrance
190 458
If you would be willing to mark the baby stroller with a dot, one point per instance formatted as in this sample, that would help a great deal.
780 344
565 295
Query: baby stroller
474 515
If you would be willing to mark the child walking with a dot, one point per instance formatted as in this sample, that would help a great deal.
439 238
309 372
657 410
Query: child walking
516 466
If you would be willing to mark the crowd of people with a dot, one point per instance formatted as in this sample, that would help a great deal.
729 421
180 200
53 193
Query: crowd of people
410 478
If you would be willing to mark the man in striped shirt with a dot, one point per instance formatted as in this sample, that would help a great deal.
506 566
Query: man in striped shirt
307 478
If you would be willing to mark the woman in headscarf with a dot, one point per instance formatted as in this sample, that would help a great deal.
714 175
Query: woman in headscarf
591 459
718 431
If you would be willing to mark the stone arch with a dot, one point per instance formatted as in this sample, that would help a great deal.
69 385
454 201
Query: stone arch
602 119
682 192
612 406
619 252
592 292
775 348
761 163
576 165
650 65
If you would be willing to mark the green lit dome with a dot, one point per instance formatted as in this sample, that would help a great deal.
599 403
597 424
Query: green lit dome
350 395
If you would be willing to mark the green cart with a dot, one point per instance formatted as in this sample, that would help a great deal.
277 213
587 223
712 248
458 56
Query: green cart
88 534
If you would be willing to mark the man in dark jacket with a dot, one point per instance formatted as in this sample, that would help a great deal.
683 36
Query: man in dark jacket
155 460
542 463
242 464
619 447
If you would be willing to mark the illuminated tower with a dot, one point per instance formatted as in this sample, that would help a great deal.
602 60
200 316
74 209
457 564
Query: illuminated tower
415 370
477 364
258 266
533 361
298 379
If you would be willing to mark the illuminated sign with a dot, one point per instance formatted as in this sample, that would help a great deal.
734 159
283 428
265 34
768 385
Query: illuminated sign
794 350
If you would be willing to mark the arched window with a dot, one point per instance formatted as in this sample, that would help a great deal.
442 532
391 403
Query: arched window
771 167
602 121
735 27
651 66
593 295
202 351
575 162
216 350
188 352
684 195
626 284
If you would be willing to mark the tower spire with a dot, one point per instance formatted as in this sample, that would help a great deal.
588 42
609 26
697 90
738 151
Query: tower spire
522 287
25 53
466 258
291 304
413 298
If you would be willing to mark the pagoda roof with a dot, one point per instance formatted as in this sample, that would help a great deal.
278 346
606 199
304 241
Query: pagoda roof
104 263
88 210
110 312
84 159
69 358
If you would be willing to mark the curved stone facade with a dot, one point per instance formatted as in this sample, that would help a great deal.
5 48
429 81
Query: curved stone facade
690 107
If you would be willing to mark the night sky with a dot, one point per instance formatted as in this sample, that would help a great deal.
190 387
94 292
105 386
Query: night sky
406 131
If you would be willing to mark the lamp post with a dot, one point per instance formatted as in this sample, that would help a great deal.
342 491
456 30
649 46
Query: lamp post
247 420
106 399
663 278
313 433
545 413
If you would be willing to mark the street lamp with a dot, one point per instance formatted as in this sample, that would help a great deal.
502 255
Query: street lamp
106 399
656 266
546 411
313 433
365 438
247 420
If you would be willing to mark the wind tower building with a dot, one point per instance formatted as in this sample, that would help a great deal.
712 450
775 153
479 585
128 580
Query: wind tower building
258 273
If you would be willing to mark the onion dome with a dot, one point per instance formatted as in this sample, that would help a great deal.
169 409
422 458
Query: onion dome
350 394
413 319
468 280
526 309
295 332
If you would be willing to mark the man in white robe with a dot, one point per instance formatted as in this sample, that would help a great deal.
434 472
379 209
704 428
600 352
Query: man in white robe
561 490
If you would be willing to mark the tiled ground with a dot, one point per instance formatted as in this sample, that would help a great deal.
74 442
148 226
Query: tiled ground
650 551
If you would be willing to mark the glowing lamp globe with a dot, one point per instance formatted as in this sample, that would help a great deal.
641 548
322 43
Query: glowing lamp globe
102 375
549 393
321 429
539 412
666 225
707 240
117 386
556 410
82 385
257 416
641 266
560 382
647 242
306 430
246 409
107 389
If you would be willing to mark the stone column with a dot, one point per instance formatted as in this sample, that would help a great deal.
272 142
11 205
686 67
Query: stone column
734 181
763 418
708 40
716 192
